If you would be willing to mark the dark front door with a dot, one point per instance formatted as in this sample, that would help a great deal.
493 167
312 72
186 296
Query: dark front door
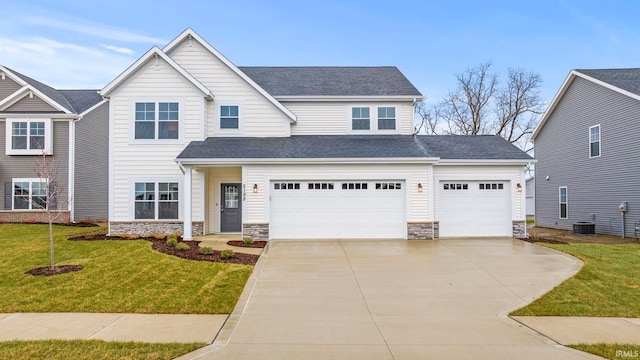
230 208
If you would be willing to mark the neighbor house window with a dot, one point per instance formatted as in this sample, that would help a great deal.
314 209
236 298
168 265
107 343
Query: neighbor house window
28 136
229 117
562 197
159 120
156 200
360 118
386 118
29 194
594 141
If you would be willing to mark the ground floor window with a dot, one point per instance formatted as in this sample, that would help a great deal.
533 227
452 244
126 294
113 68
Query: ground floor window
156 200
29 194
563 200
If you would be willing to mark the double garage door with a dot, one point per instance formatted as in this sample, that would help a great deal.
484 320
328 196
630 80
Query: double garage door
342 209
474 208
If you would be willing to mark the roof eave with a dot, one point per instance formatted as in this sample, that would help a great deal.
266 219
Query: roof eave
319 98
22 92
250 161
486 161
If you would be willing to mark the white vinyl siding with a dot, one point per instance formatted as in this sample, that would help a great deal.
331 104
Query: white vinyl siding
334 118
594 141
417 203
261 118
130 159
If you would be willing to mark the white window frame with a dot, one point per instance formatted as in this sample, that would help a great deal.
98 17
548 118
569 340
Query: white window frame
155 140
565 203
395 117
48 137
218 115
599 141
30 181
373 119
132 198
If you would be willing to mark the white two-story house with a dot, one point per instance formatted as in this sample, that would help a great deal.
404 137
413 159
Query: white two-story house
198 145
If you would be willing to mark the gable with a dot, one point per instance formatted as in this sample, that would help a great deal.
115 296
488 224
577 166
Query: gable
7 86
30 103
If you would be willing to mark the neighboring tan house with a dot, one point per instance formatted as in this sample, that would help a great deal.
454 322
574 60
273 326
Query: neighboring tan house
587 150
200 146
71 127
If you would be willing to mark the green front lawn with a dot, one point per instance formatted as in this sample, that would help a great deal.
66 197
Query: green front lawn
118 276
92 349
607 285
611 351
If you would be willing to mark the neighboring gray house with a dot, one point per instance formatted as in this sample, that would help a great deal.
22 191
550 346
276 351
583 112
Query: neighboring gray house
588 152
71 126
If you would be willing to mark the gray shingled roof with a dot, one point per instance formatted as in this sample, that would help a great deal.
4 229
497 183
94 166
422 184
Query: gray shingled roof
626 79
354 146
76 101
332 81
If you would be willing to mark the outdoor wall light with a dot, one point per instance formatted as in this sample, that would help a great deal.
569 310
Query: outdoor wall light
518 187
419 187
255 188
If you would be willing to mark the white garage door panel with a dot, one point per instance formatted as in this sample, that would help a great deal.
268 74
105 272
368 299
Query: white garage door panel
474 211
337 213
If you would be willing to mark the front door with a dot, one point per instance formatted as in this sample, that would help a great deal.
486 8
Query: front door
230 208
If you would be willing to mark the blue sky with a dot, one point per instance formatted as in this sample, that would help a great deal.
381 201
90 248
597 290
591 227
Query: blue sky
85 44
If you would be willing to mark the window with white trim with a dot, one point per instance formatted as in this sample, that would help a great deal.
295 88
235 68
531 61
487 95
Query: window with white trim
29 194
388 186
156 200
386 118
360 118
594 141
28 136
157 120
563 201
286 186
229 117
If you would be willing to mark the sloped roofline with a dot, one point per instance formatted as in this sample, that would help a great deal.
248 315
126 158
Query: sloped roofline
563 89
26 87
133 68
191 34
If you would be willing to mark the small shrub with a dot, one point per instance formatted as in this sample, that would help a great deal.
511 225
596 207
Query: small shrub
248 240
227 254
172 242
157 236
205 250
178 235
182 247
129 236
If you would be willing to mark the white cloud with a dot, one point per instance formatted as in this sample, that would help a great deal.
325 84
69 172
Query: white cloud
118 49
96 30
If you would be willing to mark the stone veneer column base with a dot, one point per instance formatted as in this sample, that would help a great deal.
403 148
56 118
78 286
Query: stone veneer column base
141 228
423 230
519 229
256 231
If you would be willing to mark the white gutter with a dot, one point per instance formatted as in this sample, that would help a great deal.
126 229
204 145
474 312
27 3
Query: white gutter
250 161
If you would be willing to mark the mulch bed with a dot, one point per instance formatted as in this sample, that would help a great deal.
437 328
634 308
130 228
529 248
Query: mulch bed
57 270
240 243
191 254
544 240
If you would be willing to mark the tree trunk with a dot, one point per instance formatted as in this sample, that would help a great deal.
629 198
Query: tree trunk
53 263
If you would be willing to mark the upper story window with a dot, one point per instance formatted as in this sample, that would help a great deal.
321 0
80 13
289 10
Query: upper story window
29 194
159 120
28 137
360 118
386 118
594 141
229 117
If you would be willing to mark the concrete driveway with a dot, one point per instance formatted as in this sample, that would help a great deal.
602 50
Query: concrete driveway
394 300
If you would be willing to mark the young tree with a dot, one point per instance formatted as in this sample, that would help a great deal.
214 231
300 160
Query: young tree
479 105
46 195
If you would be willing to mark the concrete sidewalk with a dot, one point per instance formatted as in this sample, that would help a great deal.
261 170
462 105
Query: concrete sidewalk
151 328
567 330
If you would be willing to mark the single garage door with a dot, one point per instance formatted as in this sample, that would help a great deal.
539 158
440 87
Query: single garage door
474 208
350 209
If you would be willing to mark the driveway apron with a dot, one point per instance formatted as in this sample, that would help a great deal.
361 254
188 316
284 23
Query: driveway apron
395 300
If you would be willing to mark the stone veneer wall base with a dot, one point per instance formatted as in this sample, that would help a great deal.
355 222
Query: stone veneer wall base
423 230
256 231
519 229
141 228
17 216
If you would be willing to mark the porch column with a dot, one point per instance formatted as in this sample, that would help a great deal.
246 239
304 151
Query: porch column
186 196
